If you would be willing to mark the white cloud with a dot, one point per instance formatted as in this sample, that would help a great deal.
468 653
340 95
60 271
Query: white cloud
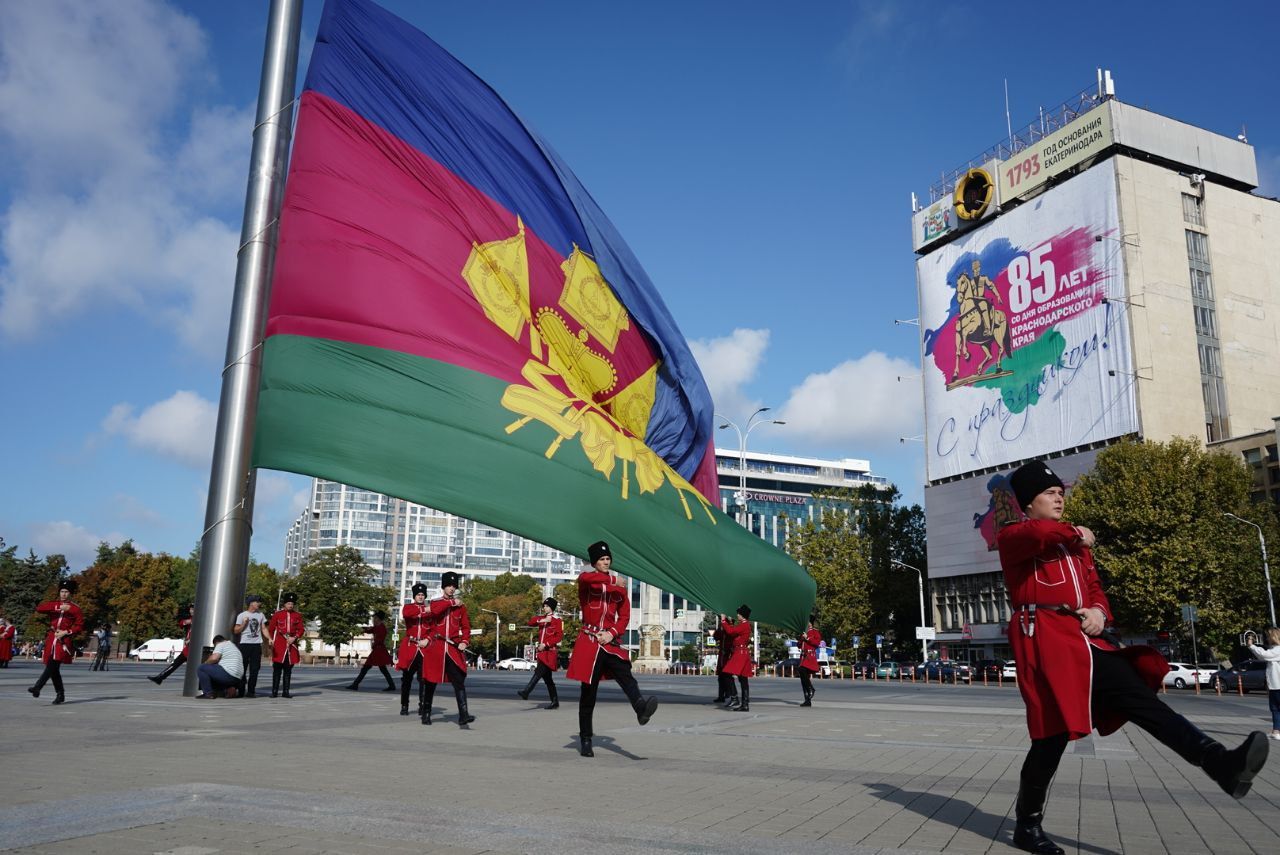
180 427
109 209
78 544
728 364
130 509
858 404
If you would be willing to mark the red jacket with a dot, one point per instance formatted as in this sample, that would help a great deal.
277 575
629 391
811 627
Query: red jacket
71 621
416 618
723 650
378 656
448 626
6 642
185 623
605 605
739 635
809 644
551 634
284 623
1046 565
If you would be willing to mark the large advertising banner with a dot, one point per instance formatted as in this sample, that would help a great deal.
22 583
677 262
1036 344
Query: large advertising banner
1023 353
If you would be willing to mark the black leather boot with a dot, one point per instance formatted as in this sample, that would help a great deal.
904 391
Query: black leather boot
59 699
425 714
163 675
555 699
584 746
464 717
406 683
645 709
355 684
732 703
745 706
288 678
1234 770
808 699
423 700
275 682
528 690
1029 813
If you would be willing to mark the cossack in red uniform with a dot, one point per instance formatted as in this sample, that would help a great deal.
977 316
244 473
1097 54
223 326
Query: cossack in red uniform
447 626
379 655
605 606
282 623
416 617
809 644
1049 573
550 634
738 635
184 623
70 621
7 635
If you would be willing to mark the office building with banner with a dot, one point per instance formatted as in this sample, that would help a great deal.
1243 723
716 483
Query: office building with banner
1107 273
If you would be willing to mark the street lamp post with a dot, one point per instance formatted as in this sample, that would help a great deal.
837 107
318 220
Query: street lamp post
1266 571
497 637
752 424
920 576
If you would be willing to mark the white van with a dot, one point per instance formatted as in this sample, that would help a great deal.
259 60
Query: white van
157 650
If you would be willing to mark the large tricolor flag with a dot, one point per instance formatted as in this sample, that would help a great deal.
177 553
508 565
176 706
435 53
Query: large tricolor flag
454 321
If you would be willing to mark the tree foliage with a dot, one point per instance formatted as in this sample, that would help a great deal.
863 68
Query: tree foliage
24 584
836 555
336 588
1157 510
516 598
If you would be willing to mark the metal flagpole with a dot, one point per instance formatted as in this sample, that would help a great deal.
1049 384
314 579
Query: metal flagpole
228 520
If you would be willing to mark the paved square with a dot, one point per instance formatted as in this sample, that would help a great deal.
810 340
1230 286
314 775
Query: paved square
128 767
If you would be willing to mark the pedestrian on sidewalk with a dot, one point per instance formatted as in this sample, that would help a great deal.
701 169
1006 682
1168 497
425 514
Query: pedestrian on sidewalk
248 626
1272 657
221 671
283 632
1072 672
740 664
809 666
378 656
444 658
416 617
7 633
550 634
606 609
59 647
184 618
103 636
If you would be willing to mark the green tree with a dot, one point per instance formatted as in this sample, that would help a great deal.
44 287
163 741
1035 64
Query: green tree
336 588
688 653
892 531
1157 511
24 584
516 598
140 594
566 594
837 556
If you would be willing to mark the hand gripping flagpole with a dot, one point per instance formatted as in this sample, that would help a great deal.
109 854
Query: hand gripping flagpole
228 520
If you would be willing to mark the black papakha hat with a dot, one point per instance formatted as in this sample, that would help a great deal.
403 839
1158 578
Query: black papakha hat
289 597
380 614
418 588
67 585
551 601
745 611
450 580
813 618
598 550
1031 479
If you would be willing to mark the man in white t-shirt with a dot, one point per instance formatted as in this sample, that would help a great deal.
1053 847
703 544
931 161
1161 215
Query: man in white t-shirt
222 671
249 625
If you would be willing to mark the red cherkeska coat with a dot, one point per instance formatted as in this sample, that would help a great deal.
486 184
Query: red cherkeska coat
738 635
379 655
284 623
723 650
185 624
448 626
1045 564
550 634
605 605
6 642
809 644
416 620
72 621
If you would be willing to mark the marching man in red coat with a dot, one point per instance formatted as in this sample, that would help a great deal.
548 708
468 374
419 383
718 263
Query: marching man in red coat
283 633
378 657
444 657
186 614
7 633
59 649
416 616
550 634
1071 676
606 609
809 666
738 635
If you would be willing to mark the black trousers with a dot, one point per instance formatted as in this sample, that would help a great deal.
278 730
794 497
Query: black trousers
365 669
252 654
406 679
806 681
52 672
727 689
1116 688
455 675
100 661
543 673
281 669
621 670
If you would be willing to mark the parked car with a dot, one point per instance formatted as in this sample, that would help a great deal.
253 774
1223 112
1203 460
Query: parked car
780 667
888 670
943 671
993 669
827 667
516 665
1010 670
157 650
1251 672
1182 675
865 667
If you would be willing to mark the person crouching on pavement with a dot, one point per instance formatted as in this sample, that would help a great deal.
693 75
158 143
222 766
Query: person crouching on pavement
444 657
550 634
739 665
221 671
283 632
606 609
1071 676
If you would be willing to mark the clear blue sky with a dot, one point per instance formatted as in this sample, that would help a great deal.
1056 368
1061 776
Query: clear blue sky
759 157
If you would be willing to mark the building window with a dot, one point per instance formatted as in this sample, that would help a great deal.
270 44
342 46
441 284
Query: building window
1193 209
1204 312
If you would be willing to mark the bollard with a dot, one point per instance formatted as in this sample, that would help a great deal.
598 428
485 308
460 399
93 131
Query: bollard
984 677
1197 678
1217 687
1240 684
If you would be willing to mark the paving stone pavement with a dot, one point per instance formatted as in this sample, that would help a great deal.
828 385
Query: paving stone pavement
128 767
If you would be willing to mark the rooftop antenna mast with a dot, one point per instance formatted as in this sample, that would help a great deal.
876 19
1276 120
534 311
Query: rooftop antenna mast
1008 120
